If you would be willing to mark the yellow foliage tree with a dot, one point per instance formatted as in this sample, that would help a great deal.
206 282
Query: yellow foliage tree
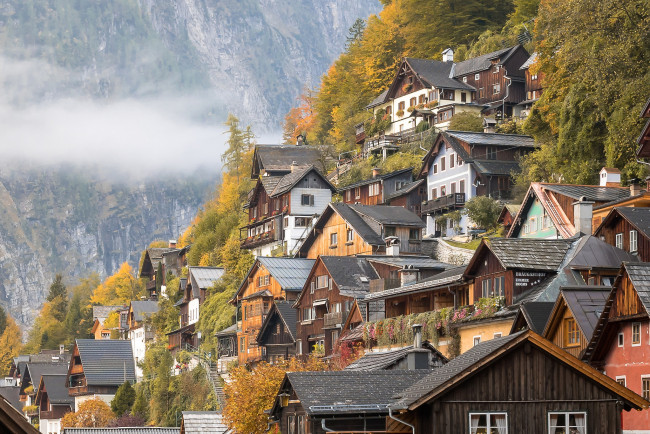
120 288
10 345
93 413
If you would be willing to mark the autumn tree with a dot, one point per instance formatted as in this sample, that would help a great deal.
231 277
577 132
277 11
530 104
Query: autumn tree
120 288
93 413
483 210
10 343
466 121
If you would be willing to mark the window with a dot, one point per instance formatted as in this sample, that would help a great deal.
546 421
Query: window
301 424
540 222
533 77
333 239
373 189
435 169
266 208
263 280
533 224
621 339
463 97
477 340
459 160
335 337
496 69
461 186
307 199
443 190
390 231
299 346
308 313
567 422
254 212
291 424
321 281
349 237
422 99
481 92
414 234
496 88
636 334
286 222
633 241
412 102
491 153
645 387
619 241
242 344
389 110
452 187
442 164
302 222
486 288
572 336
452 160
401 106
477 76
434 193
499 286
488 423
464 79
621 380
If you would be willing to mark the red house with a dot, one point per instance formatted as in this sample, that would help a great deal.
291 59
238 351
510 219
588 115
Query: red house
620 346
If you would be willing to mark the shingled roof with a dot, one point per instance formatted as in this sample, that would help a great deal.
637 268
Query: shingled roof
595 193
639 274
436 73
585 303
389 359
637 217
279 158
199 422
352 275
288 181
106 362
535 315
526 253
493 139
481 63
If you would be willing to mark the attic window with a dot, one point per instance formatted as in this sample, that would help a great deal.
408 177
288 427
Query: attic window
496 69
477 76
464 79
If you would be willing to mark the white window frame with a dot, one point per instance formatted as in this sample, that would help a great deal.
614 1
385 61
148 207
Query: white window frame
299 347
349 235
634 238
476 340
619 240
487 414
567 414
620 340
645 377
622 377
322 281
636 324
452 161
477 76
497 335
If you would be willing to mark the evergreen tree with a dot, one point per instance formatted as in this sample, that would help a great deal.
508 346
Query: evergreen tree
74 324
58 297
238 145
123 400
3 320
141 404
355 32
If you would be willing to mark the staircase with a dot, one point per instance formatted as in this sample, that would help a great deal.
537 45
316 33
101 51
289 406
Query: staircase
211 372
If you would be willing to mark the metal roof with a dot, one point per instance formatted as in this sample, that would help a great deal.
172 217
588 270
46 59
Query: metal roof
376 179
205 277
389 215
586 303
496 167
639 274
106 362
199 422
638 217
594 193
593 253
290 273
536 314
123 430
143 308
493 139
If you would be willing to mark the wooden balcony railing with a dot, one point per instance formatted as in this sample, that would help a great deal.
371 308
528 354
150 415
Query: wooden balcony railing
79 390
444 203
333 319
259 240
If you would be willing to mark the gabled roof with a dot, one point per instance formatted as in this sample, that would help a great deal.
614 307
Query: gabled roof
199 422
380 99
523 253
595 193
143 309
381 177
38 369
154 255
388 359
57 393
406 189
436 73
388 215
102 312
481 63
493 139
480 357
639 218
204 277
534 314
106 362
639 274
279 158
446 278
585 303
285 313
289 181
329 392
290 273
12 395
352 275
532 59
593 253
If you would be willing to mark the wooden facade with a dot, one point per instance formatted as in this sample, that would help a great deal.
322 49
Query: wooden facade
374 191
337 225
276 337
615 224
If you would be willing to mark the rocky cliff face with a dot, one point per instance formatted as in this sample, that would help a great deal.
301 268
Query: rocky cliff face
65 221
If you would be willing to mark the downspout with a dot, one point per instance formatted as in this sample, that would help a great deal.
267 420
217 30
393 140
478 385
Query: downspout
503 102
390 414
326 429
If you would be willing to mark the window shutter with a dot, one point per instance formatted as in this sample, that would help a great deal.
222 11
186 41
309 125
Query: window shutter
329 279
313 287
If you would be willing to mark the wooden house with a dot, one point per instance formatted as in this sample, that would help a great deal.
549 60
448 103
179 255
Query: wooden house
140 331
574 317
53 402
226 347
199 422
561 210
31 379
194 288
97 368
268 280
620 345
279 332
507 216
348 230
629 229
153 267
374 191
281 209
276 160
532 315
643 151
498 81
325 301
461 165
533 85
410 196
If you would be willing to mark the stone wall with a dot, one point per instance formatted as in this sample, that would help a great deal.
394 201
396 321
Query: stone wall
443 252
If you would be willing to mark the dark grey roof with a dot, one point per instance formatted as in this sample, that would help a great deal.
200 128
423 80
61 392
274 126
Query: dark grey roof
232 330
594 193
380 99
144 308
480 63
280 157
290 273
199 422
106 362
529 253
156 255
102 312
389 215
359 225
351 391
123 430
288 181
436 73
536 314
638 217
419 262
352 275
447 277
496 167
388 359
593 253
12 395
57 393
450 370
493 139
289 315
639 274
270 182
406 189
260 293
38 369
376 178
586 303
530 61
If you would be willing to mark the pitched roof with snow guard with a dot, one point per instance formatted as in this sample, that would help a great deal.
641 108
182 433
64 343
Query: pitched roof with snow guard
389 359
106 362
199 422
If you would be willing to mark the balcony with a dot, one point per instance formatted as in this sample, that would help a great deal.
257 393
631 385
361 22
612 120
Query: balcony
383 284
332 320
78 390
46 415
259 240
444 203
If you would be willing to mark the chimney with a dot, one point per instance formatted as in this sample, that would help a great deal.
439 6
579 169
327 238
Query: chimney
635 187
610 177
61 349
294 166
582 214
172 244
448 55
392 246
300 140
408 275
418 357
376 171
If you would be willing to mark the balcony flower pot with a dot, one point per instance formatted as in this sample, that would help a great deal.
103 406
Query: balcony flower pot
410 109
400 113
